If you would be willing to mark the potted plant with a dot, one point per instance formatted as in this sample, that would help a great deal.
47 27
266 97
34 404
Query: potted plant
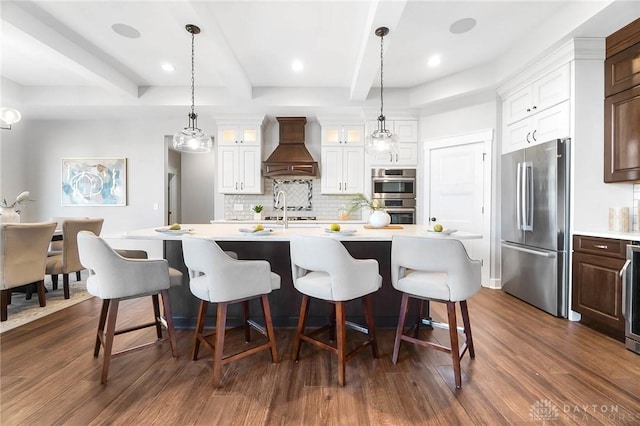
378 218
9 213
257 211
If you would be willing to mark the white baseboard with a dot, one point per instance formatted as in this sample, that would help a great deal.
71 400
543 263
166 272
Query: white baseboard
494 283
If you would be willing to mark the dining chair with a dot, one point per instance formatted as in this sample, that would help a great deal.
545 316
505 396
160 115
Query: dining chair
56 246
68 261
435 270
23 256
217 277
114 278
323 269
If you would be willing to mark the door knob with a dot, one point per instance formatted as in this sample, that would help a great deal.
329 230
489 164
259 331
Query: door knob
432 219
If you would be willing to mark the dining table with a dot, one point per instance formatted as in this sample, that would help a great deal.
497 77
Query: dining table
272 244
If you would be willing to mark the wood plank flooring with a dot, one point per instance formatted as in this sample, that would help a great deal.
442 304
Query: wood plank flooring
529 367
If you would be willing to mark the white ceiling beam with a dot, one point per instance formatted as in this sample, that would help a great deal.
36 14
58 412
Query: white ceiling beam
381 14
17 16
232 74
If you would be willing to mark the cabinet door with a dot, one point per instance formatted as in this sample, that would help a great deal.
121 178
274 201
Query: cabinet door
249 176
622 70
352 170
518 106
227 166
622 136
552 123
515 135
228 135
331 165
552 89
597 292
407 154
407 130
239 135
331 135
250 135
353 135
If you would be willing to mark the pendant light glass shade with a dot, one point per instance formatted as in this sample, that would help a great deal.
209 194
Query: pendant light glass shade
191 138
381 140
9 116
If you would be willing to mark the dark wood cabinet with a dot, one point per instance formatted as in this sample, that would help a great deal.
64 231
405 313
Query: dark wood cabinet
622 105
597 284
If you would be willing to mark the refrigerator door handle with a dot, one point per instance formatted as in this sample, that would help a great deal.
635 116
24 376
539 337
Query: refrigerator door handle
625 303
519 196
527 199
549 254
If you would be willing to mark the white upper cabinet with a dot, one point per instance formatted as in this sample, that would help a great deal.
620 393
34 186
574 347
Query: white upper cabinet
543 93
343 135
240 159
538 110
342 165
407 153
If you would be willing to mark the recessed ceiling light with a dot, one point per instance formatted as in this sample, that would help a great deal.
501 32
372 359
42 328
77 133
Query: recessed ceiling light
434 61
297 65
462 26
125 30
168 67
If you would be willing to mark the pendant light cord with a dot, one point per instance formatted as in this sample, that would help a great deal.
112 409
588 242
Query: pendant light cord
381 77
193 97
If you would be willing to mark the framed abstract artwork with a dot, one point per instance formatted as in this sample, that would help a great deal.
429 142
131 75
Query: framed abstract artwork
94 181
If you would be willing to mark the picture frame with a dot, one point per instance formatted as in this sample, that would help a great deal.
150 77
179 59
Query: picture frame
94 182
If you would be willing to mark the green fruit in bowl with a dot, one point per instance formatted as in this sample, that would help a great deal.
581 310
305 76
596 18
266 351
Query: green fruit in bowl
437 227
175 227
258 227
335 227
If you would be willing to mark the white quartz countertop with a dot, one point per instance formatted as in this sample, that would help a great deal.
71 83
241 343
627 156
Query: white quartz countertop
231 232
632 236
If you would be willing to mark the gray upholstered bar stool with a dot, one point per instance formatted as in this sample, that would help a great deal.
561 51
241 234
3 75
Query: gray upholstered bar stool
219 277
438 270
114 278
323 269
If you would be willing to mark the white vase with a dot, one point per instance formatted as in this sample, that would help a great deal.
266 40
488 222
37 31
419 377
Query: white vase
9 215
379 219
257 216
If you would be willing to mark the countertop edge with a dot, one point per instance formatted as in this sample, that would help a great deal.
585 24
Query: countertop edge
631 236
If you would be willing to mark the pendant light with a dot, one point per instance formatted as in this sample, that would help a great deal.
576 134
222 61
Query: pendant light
9 116
382 140
191 138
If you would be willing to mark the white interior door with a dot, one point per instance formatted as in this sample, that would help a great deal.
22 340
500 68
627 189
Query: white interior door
459 190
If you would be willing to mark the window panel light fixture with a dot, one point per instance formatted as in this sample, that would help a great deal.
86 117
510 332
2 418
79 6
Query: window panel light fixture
192 139
9 116
382 140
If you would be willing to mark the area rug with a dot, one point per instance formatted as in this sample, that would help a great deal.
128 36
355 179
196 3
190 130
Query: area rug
22 311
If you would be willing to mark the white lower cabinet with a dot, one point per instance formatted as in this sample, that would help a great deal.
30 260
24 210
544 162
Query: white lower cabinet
342 170
544 126
239 170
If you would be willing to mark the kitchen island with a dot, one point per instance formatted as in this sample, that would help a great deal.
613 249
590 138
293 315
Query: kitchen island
273 246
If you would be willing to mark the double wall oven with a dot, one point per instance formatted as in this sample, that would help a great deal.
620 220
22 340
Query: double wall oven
395 189
631 297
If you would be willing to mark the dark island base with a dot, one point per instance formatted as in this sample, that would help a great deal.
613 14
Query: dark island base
285 303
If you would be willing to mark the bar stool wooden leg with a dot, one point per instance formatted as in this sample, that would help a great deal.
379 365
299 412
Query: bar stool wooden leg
342 337
404 304
202 313
453 334
156 315
108 338
54 282
221 323
368 314
304 305
168 313
266 309
78 278
65 285
332 322
245 317
101 323
416 331
467 328
4 302
41 297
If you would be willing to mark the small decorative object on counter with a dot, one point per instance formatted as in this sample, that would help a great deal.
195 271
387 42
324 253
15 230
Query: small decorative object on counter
257 212
9 213
619 219
378 218
343 213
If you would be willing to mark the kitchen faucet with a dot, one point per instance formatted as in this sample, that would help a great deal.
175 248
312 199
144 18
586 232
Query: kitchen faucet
285 223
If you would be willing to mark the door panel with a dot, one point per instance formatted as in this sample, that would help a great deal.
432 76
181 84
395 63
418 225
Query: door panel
509 223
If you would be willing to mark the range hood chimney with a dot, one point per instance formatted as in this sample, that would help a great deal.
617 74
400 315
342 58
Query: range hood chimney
291 157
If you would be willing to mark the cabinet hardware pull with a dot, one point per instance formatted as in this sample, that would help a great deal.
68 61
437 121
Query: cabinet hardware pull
396 158
601 246
535 107
236 185
391 158
534 135
528 109
528 141
340 186
242 185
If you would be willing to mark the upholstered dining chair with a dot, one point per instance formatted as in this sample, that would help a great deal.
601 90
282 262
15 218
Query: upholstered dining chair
23 256
68 261
56 246
217 277
323 269
114 278
438 270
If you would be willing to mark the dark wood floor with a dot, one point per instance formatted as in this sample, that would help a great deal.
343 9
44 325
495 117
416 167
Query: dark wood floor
526 362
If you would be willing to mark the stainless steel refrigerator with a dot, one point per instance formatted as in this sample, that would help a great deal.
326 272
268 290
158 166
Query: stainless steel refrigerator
535 225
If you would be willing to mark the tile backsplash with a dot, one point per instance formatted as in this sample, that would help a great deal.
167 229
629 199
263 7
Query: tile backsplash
303 199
